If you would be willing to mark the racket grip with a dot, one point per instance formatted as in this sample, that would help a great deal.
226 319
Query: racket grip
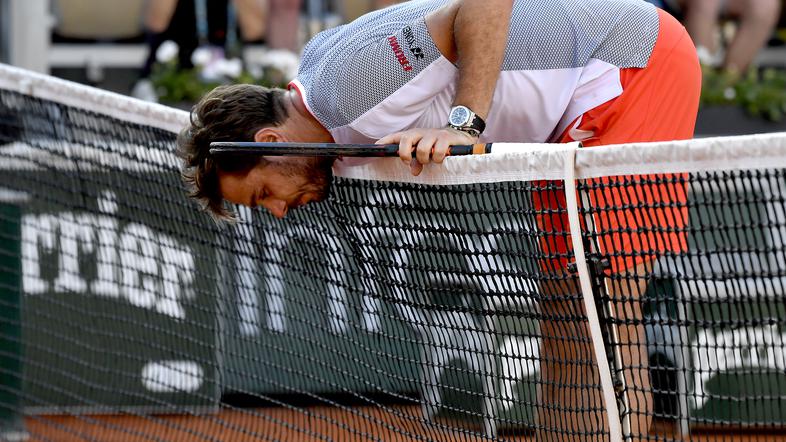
470 149
391 150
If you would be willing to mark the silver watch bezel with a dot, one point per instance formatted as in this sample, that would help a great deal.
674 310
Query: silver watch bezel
466 121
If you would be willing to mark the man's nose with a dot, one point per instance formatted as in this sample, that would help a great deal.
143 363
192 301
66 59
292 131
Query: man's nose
278 208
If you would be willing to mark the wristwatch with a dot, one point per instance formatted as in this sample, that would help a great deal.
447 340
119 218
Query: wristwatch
463 119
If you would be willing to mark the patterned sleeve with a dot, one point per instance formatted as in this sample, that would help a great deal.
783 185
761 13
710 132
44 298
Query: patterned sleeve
373 70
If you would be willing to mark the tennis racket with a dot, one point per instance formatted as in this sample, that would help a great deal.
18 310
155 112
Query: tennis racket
328 149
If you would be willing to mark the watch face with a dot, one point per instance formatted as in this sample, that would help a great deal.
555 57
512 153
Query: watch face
459 116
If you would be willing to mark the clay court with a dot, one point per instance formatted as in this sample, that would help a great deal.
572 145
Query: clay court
277 424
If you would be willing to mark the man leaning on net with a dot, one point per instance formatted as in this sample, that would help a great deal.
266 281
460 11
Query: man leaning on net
429 74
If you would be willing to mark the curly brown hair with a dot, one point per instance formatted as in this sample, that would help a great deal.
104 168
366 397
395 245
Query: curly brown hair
227 113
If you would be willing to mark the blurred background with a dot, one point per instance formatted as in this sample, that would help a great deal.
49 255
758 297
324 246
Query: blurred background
172 51
167 50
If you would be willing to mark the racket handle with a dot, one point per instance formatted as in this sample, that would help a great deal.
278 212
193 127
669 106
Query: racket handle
471 149
329 149
391 150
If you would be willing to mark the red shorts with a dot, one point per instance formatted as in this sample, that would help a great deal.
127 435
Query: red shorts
658 103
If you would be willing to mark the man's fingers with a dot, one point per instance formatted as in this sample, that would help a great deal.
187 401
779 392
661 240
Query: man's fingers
405 146
424 148
416 167
390 139
431 145
404 140
441 149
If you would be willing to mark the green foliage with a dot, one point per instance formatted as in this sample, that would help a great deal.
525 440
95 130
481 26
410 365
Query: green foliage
179 87
761 92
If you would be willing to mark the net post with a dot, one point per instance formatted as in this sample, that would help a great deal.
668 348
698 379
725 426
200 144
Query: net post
588 296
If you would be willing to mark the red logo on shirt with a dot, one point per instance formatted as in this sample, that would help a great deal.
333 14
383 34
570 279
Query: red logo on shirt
402 59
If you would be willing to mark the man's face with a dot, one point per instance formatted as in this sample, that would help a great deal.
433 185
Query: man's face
282 184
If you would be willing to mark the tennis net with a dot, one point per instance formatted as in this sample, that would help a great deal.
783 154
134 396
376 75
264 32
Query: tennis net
542 292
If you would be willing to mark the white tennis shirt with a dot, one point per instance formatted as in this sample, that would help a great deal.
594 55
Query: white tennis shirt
382 73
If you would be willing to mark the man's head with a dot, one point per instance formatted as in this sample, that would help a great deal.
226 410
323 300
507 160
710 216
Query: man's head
246 113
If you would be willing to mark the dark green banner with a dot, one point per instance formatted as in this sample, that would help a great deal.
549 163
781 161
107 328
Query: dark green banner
120 309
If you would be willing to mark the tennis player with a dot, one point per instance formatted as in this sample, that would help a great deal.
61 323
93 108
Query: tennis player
427 74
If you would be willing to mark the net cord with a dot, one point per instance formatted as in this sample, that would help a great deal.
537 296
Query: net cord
96 100
532 162
588 296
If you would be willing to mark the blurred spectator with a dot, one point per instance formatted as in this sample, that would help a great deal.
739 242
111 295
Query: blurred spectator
283 24
194 23
755 22
97 19
379 4
671 6
352 9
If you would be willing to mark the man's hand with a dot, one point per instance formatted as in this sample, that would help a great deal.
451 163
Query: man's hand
430 145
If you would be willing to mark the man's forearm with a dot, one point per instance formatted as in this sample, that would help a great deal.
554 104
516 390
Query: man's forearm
473 34
480 31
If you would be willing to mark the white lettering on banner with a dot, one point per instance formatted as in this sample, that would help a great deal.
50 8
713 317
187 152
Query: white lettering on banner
37 231
138 254
759 348
274 283
248 305
173 376
106 260
76 233
245 269
135 263
272 270
376 232
176 282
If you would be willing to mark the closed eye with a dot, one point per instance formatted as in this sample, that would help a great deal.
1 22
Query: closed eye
253 201
257 196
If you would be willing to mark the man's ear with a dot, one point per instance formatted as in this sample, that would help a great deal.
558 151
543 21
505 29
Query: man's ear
269 135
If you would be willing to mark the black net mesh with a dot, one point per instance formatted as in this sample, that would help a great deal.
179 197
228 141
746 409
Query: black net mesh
391 311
